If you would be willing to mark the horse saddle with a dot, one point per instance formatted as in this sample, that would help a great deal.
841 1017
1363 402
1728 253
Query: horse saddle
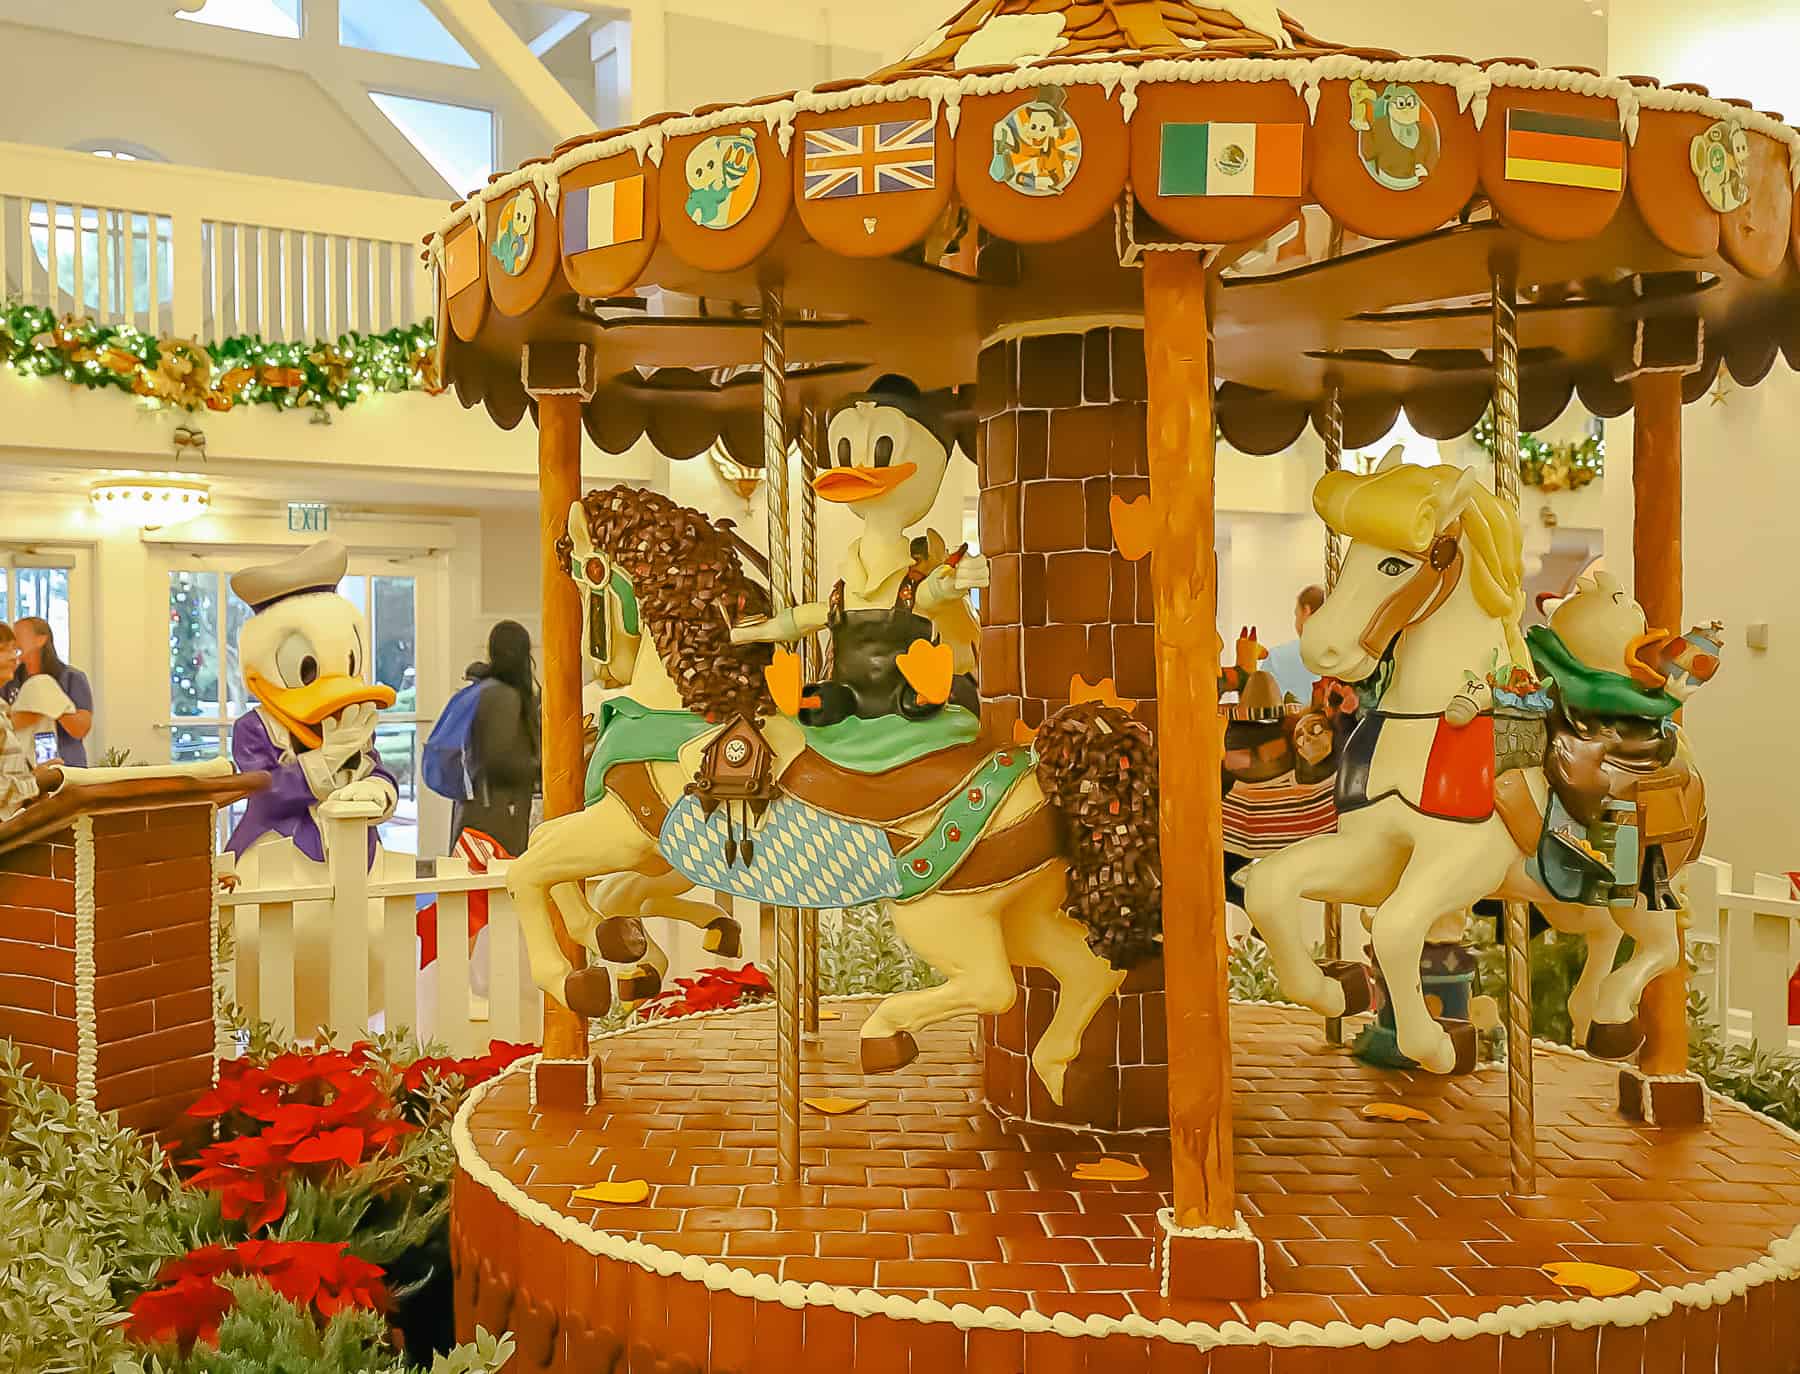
888 797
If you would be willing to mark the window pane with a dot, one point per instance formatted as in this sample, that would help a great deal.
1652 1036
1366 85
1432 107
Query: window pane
45 592
396 645
236 613
194 645
398 747
456 140
402 28
277 18
194 743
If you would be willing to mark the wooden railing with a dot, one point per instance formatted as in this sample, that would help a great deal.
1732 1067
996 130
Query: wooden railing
1744 947
200 254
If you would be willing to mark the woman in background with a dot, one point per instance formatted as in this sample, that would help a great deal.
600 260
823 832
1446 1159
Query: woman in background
37 646
505 741
17 783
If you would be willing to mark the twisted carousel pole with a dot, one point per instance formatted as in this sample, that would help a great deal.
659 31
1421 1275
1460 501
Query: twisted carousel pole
1334 566
810 440
781 596
1521 1109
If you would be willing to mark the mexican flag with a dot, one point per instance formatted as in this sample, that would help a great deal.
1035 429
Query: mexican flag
1230 160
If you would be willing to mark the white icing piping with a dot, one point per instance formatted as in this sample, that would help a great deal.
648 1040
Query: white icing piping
1780 1264
1471 83
87 1037
221 979
1165 1217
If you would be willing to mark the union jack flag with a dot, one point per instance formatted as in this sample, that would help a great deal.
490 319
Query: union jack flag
871 159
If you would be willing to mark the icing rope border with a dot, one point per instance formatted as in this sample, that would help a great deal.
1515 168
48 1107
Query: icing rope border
1780 1263
87 1036
1473 85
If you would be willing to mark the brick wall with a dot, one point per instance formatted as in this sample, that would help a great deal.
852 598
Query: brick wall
1062 433
153 967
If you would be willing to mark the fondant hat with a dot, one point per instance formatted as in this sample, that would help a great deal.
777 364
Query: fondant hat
895 392
318 569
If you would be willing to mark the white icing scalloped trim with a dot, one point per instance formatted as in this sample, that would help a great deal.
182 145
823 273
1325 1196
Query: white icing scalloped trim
1471 83
87 1036
1165 1217
1781 1263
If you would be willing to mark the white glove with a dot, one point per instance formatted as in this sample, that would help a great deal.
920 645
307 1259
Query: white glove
373 791
946 583
347 734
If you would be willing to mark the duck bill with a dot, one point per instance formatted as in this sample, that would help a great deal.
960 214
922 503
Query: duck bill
301 709
847 486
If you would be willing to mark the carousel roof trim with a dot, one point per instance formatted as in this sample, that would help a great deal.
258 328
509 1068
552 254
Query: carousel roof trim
1119 75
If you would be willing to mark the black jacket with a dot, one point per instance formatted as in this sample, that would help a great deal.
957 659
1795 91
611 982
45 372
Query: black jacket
507 766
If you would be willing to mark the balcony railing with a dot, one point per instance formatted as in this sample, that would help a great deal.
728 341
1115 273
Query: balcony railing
191 253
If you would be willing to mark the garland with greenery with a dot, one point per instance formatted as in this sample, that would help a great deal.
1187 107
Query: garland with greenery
242 370
1547 466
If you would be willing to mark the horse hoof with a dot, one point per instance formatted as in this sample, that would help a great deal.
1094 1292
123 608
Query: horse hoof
888 1053
588 992
1614 1039
1353 978
724 938
640 985
621 940
1467 1041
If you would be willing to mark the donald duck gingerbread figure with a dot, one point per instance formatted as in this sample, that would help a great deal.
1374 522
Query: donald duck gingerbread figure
902 632
305 655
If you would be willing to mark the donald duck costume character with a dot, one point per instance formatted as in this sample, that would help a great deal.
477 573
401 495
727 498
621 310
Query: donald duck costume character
305 655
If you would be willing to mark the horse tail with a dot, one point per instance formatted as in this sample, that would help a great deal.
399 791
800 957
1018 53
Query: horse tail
1097 766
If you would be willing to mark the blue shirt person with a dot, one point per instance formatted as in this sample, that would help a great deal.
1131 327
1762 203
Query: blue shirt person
38 647
1291 674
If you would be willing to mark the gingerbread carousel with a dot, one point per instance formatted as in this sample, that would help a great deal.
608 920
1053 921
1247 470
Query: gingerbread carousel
1083 241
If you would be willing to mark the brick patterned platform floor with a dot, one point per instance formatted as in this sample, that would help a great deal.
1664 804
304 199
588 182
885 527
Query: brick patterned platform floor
923 1192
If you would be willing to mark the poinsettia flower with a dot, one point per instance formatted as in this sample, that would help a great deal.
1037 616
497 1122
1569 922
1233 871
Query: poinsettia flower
341 1146
186 1311
317 1274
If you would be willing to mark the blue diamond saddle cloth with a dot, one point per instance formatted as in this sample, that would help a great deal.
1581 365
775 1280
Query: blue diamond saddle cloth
807 858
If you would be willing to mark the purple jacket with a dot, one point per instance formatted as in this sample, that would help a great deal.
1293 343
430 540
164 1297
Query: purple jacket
286 806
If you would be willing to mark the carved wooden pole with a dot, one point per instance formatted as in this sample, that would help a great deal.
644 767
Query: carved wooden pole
1178 352
1521 1095
1334 565
1656 558
781 595
558 377
810 443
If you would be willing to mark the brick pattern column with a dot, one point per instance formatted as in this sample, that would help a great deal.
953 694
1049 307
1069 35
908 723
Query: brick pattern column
151 971
1062 433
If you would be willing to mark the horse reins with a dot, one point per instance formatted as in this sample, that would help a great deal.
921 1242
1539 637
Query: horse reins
1421 595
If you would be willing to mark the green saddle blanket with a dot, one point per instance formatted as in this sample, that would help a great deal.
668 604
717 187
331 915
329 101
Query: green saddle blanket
885 742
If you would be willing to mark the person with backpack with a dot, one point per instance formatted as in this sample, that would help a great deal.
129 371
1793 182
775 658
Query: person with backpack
484 752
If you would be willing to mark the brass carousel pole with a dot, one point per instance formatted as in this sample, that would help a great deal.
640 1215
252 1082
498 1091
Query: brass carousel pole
1334 565
781 595
1521 1108
810 440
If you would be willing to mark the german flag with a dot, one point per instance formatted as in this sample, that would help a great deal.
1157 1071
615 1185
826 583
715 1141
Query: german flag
1564 150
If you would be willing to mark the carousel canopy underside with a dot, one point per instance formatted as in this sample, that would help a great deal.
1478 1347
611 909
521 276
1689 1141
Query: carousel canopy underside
1382 294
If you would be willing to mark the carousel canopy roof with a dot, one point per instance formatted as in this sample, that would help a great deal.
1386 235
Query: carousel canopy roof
1009 174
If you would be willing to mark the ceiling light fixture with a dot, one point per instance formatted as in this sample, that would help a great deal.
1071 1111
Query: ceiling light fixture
150 500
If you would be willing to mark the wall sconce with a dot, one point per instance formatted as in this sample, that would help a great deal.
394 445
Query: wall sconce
150 500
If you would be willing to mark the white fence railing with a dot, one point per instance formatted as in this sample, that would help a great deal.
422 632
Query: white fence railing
200 254
1745 946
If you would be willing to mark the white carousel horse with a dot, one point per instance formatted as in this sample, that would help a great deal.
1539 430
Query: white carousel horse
1433 571
660 585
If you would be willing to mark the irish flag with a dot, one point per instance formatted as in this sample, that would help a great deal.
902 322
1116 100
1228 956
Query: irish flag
1230 160
1564 150
603 216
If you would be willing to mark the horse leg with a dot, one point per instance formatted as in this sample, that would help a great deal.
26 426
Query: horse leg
1336 867
1657 945
960 936
1039 934
1447 871
568 850
1602 934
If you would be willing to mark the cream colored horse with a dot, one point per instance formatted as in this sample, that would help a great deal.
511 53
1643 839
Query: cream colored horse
972 938
1434 570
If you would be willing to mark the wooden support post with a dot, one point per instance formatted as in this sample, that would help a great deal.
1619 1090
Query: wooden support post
1656 559
560 378
1334 567
1178 353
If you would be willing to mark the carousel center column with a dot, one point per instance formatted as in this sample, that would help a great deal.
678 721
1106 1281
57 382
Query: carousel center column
560 378
1209 1251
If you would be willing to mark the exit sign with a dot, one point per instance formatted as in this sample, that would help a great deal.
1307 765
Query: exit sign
308 517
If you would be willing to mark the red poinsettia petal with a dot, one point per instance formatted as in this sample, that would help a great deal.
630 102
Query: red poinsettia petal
344 1145
183 1312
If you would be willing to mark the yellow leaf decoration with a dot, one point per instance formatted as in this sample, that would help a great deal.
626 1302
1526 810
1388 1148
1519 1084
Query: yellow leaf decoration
1110 1171
1393 1111
827 1014
783 674
929 669
1080 690
835 1106
1132 526
624 1193
1023 734
1602 1280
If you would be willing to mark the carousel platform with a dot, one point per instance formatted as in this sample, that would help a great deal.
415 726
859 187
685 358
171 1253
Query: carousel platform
929 1237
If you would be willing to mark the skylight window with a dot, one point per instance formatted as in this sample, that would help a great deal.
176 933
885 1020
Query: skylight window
277 18
457 140
399 28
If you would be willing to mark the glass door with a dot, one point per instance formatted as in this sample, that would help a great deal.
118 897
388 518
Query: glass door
48 583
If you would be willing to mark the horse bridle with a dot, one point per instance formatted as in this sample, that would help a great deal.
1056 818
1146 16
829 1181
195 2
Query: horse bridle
1420 596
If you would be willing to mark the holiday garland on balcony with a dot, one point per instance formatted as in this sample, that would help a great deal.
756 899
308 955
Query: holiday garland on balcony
1547 466
242 370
